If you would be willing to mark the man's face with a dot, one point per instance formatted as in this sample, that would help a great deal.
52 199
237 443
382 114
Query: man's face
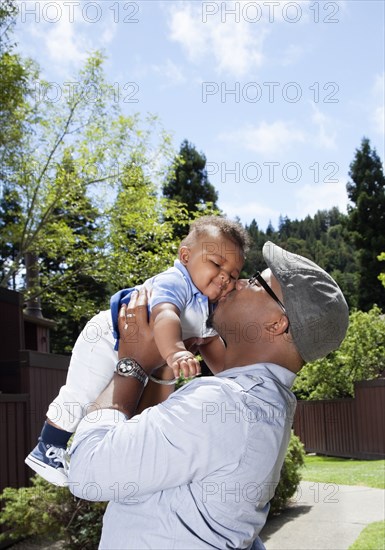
244 311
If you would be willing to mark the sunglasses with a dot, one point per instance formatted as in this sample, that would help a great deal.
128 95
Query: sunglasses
257 278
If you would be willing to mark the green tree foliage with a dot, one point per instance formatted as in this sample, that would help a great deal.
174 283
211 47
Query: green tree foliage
367 222
187 183
140 229
10 216
254 259
78 129
58 201
381 258
73 234
361 356
323 238
16 75
49 511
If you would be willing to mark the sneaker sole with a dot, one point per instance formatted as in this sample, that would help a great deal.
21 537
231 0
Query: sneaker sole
47 472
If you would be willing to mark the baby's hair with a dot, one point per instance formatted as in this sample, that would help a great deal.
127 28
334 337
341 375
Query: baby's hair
228 229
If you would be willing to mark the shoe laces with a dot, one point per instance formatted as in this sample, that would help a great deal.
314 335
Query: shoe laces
58 454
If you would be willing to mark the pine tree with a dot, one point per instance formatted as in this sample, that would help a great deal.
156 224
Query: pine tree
188 184
10 214
367 221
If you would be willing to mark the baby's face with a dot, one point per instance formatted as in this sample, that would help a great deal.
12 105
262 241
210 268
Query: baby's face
214 264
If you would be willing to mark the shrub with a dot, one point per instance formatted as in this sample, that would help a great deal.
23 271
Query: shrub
45 510
361 356
290 475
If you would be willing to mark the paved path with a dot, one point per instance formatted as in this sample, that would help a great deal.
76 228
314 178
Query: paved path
324 516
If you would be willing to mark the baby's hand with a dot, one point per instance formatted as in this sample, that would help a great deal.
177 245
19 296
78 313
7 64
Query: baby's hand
184 361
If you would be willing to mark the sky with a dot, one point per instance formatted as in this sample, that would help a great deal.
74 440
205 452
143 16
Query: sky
276 94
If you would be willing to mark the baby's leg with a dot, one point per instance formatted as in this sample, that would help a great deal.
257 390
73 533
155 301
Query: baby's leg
91 368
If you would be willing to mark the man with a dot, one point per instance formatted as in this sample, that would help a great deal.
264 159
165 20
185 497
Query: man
198 470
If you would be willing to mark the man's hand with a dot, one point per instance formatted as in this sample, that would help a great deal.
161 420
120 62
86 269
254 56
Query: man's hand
136 336
185 362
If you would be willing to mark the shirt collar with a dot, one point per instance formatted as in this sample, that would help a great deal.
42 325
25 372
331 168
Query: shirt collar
271 370
178 264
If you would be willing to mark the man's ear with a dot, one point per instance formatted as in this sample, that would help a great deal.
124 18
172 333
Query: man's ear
277 327
184 254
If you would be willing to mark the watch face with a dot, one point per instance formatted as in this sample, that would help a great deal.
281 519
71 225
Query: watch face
129 367
125 367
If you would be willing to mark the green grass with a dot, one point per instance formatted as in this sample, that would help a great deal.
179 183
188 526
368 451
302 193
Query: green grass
344 471
371 538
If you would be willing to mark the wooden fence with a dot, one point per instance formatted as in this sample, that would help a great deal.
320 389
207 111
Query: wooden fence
353 428
13 440
22 415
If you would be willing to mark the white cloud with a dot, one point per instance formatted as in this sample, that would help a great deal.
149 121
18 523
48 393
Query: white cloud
280 136
308 199
67 32
172 74
235 46
252 210
379 84
291 55
379 120
185 28
325 125
321 196
266 139
378 116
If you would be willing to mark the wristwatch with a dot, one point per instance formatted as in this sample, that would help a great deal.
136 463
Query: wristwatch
129 367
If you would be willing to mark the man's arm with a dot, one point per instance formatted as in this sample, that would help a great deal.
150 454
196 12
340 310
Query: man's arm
123 393
126 394
155 450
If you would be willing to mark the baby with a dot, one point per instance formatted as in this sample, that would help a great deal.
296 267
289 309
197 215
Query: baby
210 260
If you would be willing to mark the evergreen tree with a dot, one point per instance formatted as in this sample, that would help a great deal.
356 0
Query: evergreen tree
270 230
381 258
71 292
10 215
323 238
188 184
367 221
140 229
254 259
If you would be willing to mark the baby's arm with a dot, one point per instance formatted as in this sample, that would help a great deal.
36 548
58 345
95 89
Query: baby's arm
213 353
168 338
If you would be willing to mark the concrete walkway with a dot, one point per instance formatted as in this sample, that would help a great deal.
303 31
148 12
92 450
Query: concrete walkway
324 516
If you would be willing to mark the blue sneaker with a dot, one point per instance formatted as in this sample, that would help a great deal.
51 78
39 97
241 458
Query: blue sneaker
49 462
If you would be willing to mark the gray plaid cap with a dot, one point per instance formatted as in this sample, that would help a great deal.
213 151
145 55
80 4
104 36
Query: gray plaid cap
316 308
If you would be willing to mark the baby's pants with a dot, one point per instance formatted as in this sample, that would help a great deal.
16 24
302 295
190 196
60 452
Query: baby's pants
91 368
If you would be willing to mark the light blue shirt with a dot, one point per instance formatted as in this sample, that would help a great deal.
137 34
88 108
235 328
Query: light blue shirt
194 472
176 287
